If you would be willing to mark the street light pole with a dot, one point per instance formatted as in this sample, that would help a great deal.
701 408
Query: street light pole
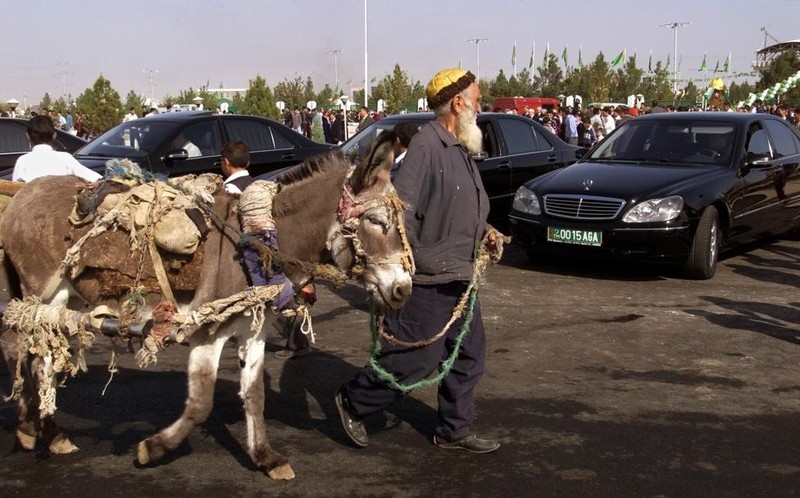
674 27
150 73
366 72
477 42
335 53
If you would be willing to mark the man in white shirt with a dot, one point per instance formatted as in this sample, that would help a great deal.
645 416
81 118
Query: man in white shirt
42 160
130 116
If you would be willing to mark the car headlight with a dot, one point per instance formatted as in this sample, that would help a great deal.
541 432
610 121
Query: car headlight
665 209
526 201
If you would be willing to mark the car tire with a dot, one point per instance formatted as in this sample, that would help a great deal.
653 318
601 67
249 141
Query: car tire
702 262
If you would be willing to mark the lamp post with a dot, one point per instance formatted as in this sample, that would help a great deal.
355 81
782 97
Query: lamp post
150 73
477 42
335 53
674 27
344 99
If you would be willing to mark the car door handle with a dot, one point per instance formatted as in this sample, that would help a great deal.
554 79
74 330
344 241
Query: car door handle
289 155
217 164
552 158
504 164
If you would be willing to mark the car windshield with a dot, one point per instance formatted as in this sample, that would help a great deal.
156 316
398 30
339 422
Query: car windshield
686 142
133 139
356 148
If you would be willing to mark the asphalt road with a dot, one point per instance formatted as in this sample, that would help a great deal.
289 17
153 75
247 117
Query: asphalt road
603 379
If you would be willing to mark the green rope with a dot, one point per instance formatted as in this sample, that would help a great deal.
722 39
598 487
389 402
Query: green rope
446 366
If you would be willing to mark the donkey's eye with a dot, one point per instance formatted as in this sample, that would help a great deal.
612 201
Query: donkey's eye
377 220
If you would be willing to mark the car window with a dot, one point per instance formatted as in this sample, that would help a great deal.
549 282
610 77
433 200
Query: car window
686 142
490 145
757 142
13 138
783 138
356 148
519 135
199 139
134 139
257 135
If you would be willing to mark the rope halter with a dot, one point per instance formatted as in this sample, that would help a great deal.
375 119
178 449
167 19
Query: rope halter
349 215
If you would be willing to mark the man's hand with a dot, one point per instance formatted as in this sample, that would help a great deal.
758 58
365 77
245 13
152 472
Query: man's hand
493 241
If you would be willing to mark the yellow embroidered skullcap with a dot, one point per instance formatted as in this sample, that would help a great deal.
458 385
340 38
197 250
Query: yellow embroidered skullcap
446 84
717 84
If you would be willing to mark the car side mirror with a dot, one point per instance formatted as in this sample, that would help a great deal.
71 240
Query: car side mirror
579 153
757 160
176 155
479 157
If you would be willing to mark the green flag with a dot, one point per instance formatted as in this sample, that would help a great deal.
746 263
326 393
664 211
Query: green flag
514 55
727 65
580 59
650 63
703 65
546 55
564 56
530 63
716 68
618 59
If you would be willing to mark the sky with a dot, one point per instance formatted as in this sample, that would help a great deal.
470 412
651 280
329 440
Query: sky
160 47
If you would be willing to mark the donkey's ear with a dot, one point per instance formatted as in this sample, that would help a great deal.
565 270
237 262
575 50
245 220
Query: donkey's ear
377 165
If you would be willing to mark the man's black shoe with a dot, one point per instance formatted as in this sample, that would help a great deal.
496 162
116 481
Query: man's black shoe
353 424
469 443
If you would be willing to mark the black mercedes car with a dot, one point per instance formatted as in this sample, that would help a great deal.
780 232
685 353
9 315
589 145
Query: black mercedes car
515 149
14 143
179 143
674 187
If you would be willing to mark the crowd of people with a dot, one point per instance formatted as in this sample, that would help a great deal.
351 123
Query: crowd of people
587 126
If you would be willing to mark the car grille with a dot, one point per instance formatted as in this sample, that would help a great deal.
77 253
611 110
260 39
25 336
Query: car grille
583 207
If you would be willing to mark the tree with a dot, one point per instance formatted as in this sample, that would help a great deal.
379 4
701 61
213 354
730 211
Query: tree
550 80
61 105
101 106
209 100
46 102
308 91
292 93
592 82
521 84
168 101
499 87
259 100
134 100
738 92
627 80
395 90
326 97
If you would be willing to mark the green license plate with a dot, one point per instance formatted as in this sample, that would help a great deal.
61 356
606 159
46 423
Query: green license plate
571 236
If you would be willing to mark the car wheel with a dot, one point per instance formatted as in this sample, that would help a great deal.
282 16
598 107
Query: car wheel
702 262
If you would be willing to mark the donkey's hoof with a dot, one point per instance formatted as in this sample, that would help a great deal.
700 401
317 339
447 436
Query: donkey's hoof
61 445
142 455
149 451
26 441
281 472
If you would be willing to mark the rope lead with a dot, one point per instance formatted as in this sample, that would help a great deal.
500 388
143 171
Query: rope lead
446 366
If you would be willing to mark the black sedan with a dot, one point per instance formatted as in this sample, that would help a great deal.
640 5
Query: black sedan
179 143
515 149
675 187
14 143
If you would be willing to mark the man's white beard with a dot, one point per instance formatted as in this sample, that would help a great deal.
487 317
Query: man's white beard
468 132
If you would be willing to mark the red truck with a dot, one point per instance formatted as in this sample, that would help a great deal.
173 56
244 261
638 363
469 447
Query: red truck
518 104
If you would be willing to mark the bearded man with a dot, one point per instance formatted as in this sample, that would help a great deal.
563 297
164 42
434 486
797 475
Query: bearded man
445 222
